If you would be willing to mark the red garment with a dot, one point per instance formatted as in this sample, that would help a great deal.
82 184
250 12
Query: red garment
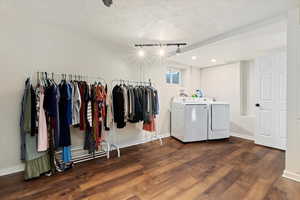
82 90
150 126
99 112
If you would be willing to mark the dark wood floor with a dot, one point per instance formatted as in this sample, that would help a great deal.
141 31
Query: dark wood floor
230 169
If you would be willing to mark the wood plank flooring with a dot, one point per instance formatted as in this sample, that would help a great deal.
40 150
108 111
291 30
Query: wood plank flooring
232 169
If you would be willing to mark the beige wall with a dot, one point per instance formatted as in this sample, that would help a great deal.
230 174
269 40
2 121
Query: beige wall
27 47
293 143
156 71
224 84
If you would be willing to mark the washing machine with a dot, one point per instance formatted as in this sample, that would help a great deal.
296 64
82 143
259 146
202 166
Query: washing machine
189 119
199 119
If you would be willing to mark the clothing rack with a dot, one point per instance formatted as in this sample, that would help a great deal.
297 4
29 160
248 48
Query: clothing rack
66 76
155 136
80 77
121 81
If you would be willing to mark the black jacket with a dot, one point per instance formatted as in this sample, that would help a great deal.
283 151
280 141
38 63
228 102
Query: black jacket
118 106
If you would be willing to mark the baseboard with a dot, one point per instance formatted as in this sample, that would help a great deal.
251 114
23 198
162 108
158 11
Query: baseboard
142 141
12 170
20 168
165 135
243 136
291 175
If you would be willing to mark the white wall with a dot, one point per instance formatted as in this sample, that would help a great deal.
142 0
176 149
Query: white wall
248 88
293 148
28 46
191 79
224 84
156 71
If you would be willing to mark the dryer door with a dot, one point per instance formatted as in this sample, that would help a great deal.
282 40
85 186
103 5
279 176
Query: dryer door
196 122
219 121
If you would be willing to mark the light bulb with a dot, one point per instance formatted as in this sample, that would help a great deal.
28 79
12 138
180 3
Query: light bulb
194 57
213 60
161 52
141 53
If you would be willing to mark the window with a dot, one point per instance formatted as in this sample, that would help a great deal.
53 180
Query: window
173 76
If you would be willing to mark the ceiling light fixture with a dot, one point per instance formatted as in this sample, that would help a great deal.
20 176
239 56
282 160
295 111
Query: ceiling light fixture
194 57
160 44
162 51
213 60
107 3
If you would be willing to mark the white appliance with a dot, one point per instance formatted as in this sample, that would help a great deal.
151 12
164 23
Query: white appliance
199 119
189 120
219 121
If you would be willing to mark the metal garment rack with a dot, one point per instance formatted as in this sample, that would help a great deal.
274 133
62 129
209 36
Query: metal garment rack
89 79
156 136
121 81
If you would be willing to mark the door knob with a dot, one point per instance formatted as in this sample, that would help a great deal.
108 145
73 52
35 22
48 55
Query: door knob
257 105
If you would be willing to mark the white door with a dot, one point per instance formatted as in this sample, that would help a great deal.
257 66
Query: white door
271 104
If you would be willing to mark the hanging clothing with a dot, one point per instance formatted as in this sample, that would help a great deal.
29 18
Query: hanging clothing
99 111
109 110
131 103
42 126
76 104
33 112
89 140
119 106
89 114
83 91
70 102
150 125
156 103
50 106
139 111
57 120
64 114
140 104
35 163
124 88
66 154
26 123
25 118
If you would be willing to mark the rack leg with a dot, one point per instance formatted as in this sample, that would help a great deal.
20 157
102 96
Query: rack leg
159 138
107 148
117 148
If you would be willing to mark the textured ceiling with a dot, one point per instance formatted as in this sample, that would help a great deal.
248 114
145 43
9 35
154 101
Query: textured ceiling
130 21
243 46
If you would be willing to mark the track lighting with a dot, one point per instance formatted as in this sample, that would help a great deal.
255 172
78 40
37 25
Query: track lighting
161 51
